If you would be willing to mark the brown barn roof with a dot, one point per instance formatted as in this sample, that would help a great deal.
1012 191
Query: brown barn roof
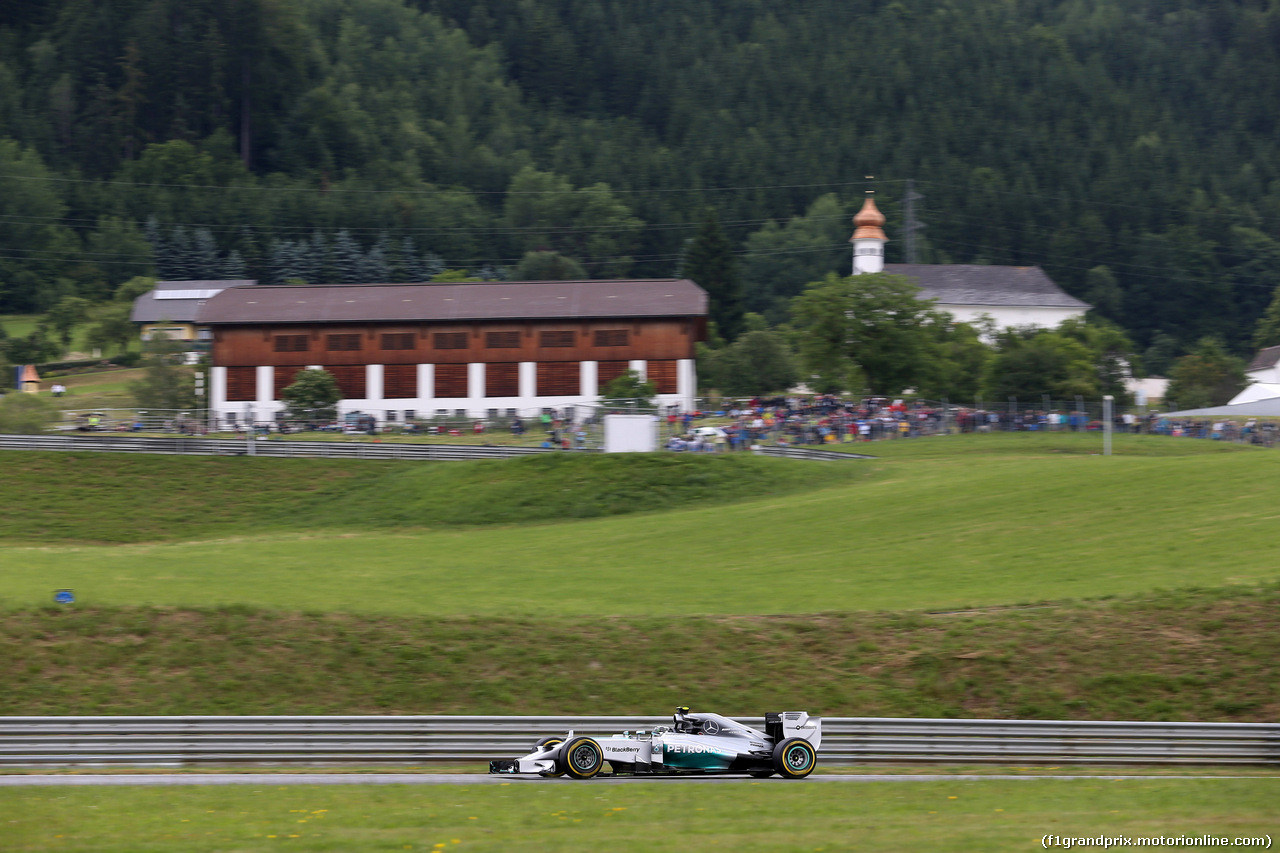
359 303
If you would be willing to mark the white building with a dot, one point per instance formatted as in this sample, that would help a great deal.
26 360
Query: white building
1010 296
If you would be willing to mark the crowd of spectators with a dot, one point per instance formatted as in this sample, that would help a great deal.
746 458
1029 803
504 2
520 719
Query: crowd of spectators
820 419
827 419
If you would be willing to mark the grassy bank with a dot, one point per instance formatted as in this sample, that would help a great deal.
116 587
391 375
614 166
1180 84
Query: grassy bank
1207 655
982 816
109 498
945 533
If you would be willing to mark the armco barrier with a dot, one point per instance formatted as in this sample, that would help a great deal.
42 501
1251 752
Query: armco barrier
373 740
180 445
807 453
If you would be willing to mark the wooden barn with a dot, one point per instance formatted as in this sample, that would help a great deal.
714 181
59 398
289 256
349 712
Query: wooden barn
404 351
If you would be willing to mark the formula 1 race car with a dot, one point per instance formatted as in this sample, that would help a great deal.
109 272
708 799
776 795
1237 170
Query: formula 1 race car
694 744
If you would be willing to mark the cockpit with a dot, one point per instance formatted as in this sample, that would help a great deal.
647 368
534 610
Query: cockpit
712 725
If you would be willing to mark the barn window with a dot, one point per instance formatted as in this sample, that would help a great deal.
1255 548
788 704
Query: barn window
611 337
607 371
501 340
451 380
283 378
399 381
663 376
397 340
559 378
350 378
450 340
242 384
502 380
343 343
292 343
556 339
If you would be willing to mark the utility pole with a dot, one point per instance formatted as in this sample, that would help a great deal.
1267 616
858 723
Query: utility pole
911 225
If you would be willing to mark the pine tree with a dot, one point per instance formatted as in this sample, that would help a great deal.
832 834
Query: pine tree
251 251
406 266
284 262
709 261
431 266
204 254
318 259
159 249
347 257
372 268
232 267
182 266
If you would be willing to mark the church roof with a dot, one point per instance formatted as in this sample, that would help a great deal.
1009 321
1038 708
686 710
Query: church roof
976 284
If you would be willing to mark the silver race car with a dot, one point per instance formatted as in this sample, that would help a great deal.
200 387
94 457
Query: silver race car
694 743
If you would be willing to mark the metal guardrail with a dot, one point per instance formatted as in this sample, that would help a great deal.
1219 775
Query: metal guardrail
196 446
372 740
181 445
807 453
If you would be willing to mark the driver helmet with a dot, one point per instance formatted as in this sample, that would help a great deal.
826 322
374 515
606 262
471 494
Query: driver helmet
682 720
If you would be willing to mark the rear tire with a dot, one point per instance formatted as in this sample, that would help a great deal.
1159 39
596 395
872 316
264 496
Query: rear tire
580 758
794 758
549 740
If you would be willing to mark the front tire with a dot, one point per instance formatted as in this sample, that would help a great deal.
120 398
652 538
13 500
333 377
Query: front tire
580 758
794 758
544 742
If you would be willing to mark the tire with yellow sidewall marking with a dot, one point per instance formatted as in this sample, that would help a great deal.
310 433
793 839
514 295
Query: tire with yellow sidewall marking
580 758
794 758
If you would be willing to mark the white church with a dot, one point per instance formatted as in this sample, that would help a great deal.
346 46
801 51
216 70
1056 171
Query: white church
1010 296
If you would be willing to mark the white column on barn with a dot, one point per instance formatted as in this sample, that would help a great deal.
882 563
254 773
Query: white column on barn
528 387
426 401
589 374
475 389
218 392
373 390
687 382
264 407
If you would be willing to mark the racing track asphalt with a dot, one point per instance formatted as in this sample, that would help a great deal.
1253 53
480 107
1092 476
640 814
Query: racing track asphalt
279 779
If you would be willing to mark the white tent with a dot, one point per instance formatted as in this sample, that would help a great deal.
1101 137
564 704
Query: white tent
1255 392
1265 408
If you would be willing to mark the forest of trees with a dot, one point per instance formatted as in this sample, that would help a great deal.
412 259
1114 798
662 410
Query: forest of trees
1129 147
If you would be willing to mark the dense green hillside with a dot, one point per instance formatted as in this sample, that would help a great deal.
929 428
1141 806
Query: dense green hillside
1129 146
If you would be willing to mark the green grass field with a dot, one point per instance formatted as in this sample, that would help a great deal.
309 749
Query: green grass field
361 587
971 529
1175 656
575 585
984 816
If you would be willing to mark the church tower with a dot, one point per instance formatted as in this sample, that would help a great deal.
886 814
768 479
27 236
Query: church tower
868 239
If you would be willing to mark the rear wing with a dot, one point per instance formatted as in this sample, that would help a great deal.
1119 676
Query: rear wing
789 724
